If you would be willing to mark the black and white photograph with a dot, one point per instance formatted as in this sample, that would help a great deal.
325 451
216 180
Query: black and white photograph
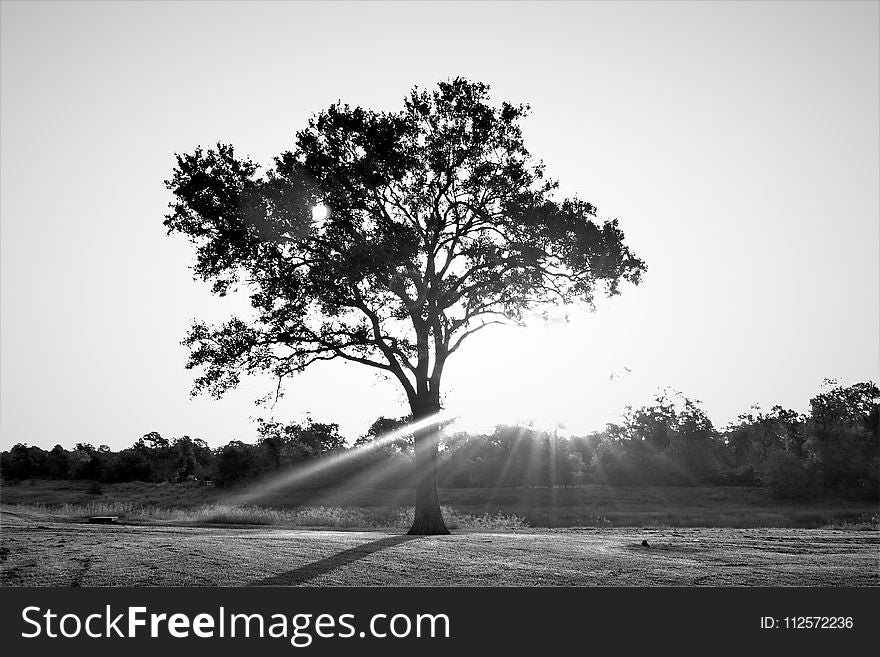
440 294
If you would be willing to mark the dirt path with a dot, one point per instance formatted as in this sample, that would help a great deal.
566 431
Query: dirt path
51 553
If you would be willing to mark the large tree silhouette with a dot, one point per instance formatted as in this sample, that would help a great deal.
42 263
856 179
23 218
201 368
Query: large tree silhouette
439 224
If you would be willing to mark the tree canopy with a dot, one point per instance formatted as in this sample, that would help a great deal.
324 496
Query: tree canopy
439 224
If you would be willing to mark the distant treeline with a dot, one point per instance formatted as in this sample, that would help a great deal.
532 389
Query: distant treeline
671 442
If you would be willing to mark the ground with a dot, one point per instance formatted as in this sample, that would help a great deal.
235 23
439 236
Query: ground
36 550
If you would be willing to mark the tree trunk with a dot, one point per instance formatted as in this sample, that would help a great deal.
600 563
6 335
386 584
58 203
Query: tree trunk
428 518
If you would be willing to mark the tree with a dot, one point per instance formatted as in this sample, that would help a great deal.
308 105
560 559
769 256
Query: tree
321 437
842 436
438 224
18 462
235 462
159 454
184 458
85 462
130 465
58 463
754 437
384 426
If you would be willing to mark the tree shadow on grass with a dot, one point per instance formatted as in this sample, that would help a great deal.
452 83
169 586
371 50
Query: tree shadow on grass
310 571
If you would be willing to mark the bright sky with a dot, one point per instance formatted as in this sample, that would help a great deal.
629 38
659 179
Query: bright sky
736 142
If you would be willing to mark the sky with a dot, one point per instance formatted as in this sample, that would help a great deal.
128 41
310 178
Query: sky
737 144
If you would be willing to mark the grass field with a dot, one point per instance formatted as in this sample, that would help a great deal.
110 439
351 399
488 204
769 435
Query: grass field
186 535
586 506
38 550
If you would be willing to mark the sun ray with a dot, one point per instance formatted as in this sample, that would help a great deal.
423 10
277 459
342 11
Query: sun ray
368 479
533 468
301 473
510 459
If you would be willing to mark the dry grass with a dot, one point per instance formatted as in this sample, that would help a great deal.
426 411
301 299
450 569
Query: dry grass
582 506
221 514
863 523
